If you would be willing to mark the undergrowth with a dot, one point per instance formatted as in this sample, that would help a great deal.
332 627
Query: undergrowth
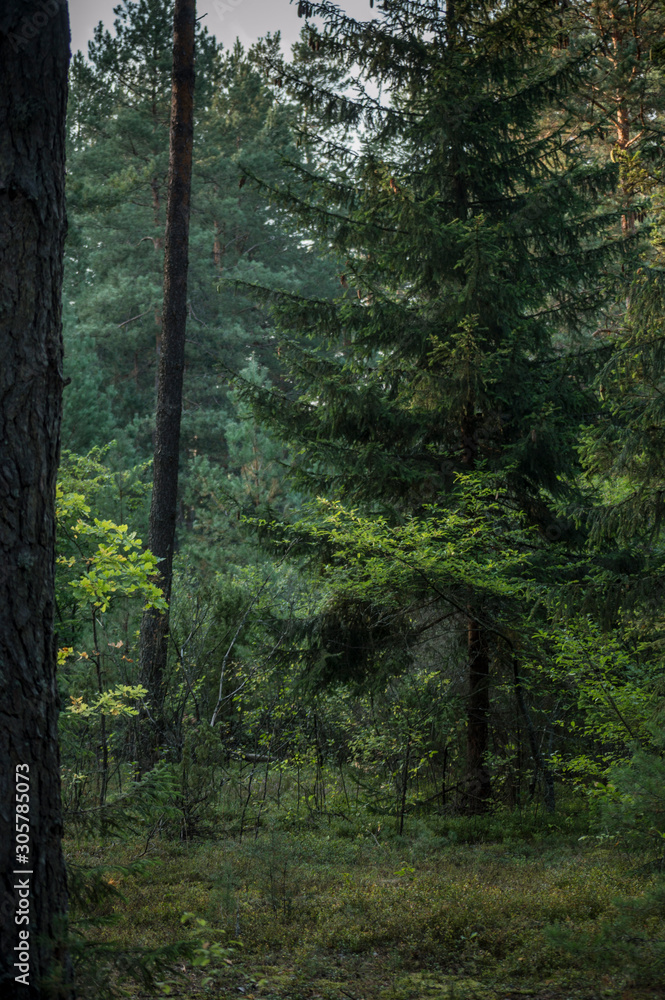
332 909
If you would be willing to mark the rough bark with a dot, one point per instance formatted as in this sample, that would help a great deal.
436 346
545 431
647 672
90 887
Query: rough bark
163 509
34 56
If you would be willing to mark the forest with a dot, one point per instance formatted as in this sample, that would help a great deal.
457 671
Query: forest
358 562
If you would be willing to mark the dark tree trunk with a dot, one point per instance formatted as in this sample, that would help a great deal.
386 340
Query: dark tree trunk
539 761
478 787
163 509
34 56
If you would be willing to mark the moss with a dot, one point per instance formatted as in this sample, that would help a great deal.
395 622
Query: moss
413 918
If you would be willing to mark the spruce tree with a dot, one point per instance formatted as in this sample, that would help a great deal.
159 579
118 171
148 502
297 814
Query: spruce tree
622 453
470 249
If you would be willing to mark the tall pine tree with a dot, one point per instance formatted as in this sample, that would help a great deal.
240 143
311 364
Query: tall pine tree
34 55
118 160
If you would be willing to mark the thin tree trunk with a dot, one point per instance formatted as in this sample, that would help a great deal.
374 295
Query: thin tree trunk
623 124
217 249
628 217
478 787
163 509
538 759
444 768
405 783
34 56
154 187
451 23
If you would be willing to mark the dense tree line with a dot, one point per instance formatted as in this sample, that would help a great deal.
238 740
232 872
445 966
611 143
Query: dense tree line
420 409
418 565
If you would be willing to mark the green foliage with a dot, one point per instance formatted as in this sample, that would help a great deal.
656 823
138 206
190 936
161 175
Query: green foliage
441 404
435 405
110 702
230 500
104 575
207 953
111 968
316 912
90 420
632 804
117 178
139 809
630 810
119 567
606 696
443 551
629 943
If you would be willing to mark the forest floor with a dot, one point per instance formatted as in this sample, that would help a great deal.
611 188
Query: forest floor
316 916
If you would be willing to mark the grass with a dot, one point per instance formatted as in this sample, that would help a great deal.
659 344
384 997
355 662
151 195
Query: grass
322 913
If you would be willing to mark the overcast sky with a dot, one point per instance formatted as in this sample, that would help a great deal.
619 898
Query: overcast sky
226 19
